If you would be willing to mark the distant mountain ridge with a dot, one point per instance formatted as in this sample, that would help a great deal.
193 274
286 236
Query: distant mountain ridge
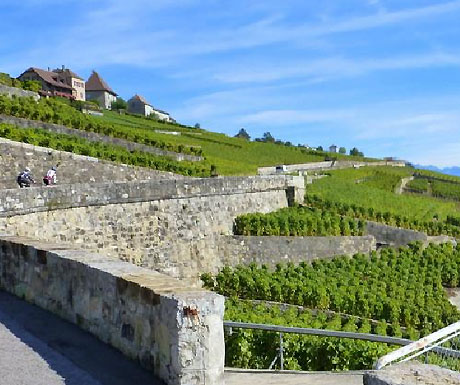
445 170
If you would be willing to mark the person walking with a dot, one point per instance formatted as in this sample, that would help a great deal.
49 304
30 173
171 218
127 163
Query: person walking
50 177
24 179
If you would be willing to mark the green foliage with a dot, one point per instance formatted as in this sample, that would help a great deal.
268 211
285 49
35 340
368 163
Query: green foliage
355 152
32 85
433 227
29 85
403 287
299 221
242 133
232 156
446 190
358 187
418 185
257 348
119 104
60 112
100 150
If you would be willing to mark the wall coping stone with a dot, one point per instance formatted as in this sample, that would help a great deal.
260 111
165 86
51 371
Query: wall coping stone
329 165
24 201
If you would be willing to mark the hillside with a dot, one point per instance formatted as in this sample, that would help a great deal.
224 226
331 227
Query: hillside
229 155
397 292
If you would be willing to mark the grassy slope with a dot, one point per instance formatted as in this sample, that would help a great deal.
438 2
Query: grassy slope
360 187
232 156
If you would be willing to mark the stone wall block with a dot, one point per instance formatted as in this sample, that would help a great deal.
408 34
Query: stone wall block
172 331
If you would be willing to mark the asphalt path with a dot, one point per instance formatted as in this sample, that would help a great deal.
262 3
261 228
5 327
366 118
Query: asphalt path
38 348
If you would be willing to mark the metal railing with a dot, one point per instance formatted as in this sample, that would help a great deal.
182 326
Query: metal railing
444 343
315 332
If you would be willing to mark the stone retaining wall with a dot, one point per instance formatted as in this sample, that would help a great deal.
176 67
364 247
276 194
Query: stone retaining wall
271 250
94 137
23 201
15 156
329 165
170 226
394 236
174 330
10 91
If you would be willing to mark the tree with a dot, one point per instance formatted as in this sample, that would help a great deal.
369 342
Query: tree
319 148
267 137
197 125
243 134
119 104
342 150
354 151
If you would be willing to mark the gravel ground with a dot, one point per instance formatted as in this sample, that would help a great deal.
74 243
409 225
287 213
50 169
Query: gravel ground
38 348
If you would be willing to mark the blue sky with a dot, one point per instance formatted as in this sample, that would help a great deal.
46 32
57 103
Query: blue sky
382 75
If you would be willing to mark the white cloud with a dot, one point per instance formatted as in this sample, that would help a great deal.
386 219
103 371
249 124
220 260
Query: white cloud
288 117
333 68
113 32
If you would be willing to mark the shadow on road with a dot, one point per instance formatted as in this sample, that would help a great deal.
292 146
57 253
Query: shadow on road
69 350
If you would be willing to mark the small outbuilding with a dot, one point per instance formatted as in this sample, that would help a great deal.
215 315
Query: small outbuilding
139 105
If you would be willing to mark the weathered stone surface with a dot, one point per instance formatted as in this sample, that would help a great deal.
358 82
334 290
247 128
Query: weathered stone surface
171 226
394 236
94 137
234 250
412 373
72 168
10 91
172 329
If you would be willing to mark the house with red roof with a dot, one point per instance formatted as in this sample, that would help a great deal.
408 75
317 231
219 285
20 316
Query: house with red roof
59 82
97 89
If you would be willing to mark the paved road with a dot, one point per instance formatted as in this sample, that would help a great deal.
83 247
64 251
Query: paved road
253 378
37 348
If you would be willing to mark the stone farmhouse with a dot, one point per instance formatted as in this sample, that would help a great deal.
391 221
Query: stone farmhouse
139 105
59 82
97 89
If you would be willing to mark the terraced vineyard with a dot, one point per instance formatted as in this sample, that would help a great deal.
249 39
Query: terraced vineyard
295 221
418 185
101 150
229 156
402 288
362 188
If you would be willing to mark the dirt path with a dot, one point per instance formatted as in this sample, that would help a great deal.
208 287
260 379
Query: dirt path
404 182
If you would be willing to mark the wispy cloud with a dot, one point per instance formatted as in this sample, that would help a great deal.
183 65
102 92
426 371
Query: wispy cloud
334 67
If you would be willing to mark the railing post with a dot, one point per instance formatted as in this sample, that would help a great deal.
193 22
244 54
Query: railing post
281 352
